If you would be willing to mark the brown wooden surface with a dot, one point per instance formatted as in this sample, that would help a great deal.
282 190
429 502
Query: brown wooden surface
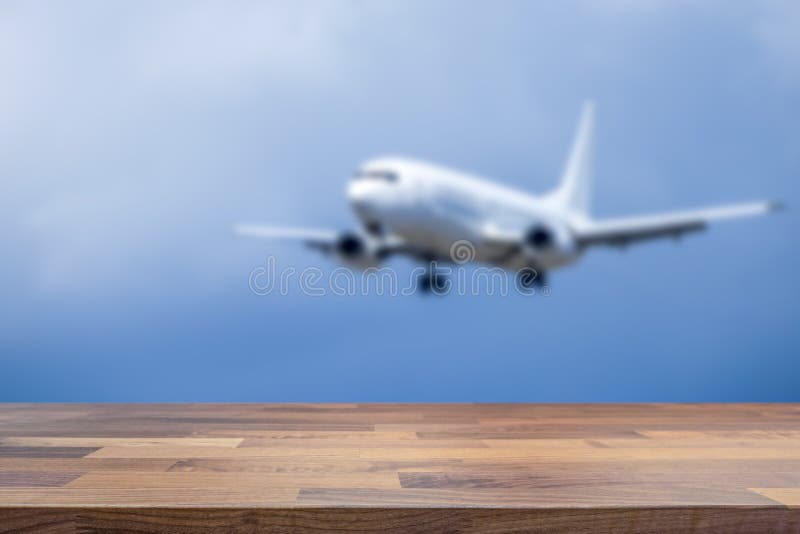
403 468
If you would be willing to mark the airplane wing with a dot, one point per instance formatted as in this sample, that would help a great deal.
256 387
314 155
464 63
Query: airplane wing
327 241
320 239
620 232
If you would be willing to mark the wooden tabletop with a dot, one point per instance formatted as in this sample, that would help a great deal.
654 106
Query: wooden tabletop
403 468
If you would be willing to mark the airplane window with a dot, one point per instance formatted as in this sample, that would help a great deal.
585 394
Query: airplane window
385 176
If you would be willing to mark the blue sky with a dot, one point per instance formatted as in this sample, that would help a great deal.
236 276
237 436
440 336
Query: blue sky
134 135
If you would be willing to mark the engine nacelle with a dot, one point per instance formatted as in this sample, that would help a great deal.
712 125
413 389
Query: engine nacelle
358 250
549 245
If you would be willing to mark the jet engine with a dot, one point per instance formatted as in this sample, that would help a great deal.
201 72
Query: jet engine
358 250
549 245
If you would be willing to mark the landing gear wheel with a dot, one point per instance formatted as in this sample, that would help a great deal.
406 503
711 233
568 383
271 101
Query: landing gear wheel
433 282
529 279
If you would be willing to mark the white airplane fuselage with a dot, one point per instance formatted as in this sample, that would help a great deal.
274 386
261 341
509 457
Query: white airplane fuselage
432 207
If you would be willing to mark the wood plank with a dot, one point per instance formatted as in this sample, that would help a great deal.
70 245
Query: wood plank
96 442
237 480
171 451
35 478
319 436
86 464
595 496
788 496
307 465
367 443
45 452
697 435
592 454
154 497
711 442
479 473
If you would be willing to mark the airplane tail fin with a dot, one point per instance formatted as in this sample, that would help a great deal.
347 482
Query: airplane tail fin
574 191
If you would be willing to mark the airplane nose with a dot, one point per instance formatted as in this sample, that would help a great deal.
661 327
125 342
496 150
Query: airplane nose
358 193
361 197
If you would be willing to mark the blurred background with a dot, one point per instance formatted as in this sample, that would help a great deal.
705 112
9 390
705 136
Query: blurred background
134 134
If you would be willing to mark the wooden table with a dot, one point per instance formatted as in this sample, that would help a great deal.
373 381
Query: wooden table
218 468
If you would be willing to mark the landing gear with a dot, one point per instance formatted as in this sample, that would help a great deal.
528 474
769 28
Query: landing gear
433 281
374 229
529 279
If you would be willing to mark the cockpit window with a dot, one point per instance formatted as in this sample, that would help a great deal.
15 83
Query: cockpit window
374 174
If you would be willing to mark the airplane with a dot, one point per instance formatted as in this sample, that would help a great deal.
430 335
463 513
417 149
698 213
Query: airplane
425 211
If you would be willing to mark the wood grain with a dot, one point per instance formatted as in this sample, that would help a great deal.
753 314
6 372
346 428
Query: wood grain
399 468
